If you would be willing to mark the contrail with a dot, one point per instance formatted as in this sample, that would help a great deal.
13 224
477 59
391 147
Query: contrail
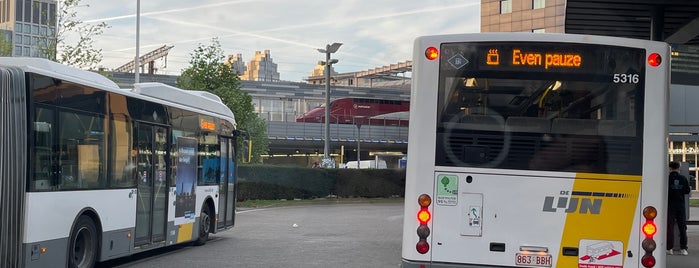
167 11
257 34
236 33
368 18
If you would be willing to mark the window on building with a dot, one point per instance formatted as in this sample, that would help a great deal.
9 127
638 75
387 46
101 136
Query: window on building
536 4
18 51
27 11
505 6
18 10
35 13
52 14
541 30
677 151
44 13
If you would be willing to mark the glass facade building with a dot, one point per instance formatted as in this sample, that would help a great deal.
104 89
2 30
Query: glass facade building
29 25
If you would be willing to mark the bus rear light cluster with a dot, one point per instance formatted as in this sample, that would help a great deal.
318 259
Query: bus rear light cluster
649 229
423 217
654 59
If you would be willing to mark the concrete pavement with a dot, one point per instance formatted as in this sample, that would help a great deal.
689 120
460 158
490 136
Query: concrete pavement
691 260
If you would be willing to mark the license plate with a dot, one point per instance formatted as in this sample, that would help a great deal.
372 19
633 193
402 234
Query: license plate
539 260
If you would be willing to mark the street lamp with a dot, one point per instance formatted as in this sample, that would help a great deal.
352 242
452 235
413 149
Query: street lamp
329 49
138 34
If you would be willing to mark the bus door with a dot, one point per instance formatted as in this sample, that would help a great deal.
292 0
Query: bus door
226 197
151 145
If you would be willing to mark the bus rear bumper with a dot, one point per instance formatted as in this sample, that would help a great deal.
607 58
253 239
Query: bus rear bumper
421 264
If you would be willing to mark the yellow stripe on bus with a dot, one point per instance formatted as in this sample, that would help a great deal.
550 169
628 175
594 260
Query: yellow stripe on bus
612 222
615 177
185 232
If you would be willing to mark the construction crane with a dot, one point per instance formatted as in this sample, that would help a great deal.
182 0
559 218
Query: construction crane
148 58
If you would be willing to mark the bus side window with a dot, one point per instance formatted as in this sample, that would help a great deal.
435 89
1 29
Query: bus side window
44 166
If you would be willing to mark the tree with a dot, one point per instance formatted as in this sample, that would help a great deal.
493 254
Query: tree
208 72
5 45
82 53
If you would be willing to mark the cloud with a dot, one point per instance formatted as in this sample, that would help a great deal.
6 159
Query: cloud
374 33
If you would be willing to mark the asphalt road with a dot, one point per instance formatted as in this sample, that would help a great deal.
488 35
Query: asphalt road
328 235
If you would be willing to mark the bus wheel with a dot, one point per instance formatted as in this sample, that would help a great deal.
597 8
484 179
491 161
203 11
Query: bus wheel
204 226
82 251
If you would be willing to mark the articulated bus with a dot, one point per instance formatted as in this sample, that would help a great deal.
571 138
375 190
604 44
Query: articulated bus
91 172
537 150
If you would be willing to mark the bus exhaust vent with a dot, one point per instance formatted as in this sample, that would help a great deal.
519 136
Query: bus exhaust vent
13 166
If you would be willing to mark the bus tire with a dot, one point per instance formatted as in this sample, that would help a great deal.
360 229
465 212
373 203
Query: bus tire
204 226
82 247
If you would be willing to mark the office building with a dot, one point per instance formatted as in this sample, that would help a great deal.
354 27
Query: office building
261 68
539 16
29 25
236 63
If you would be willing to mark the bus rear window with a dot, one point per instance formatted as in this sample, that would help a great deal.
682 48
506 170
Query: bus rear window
513 106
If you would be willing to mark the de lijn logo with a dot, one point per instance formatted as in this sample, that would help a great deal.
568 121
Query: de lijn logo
575 202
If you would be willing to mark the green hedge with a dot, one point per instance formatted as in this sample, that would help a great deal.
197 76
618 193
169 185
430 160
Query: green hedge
281 182
370 182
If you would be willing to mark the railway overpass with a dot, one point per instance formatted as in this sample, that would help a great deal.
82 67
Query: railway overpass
289 138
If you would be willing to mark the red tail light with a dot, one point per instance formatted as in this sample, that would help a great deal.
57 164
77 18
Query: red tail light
654 59
648 261
422 247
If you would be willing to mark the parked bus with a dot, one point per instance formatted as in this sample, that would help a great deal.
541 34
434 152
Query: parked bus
537 150
359 111
91 172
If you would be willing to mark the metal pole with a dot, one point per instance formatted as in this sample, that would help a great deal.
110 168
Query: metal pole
326 150
138 33
359 150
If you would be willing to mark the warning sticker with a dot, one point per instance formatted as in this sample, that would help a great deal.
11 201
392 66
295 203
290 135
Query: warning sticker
447 190
600 254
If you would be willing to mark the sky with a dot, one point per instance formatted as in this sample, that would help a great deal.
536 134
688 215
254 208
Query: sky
374 33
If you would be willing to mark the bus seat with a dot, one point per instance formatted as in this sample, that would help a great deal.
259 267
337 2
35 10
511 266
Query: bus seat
528 124
617 128
574 126
482 122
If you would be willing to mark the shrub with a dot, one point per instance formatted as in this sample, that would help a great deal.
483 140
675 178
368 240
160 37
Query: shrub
285 182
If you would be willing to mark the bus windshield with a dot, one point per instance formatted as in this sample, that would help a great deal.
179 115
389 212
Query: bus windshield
537 106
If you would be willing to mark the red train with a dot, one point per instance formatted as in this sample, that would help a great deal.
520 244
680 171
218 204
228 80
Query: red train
361 111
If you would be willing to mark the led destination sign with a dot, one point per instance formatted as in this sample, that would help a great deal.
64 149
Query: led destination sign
523 57
542 57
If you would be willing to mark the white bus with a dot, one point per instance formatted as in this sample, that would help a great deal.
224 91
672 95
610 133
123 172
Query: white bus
91 172
537 150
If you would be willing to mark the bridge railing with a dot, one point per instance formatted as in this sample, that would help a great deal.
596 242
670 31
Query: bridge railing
342 132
